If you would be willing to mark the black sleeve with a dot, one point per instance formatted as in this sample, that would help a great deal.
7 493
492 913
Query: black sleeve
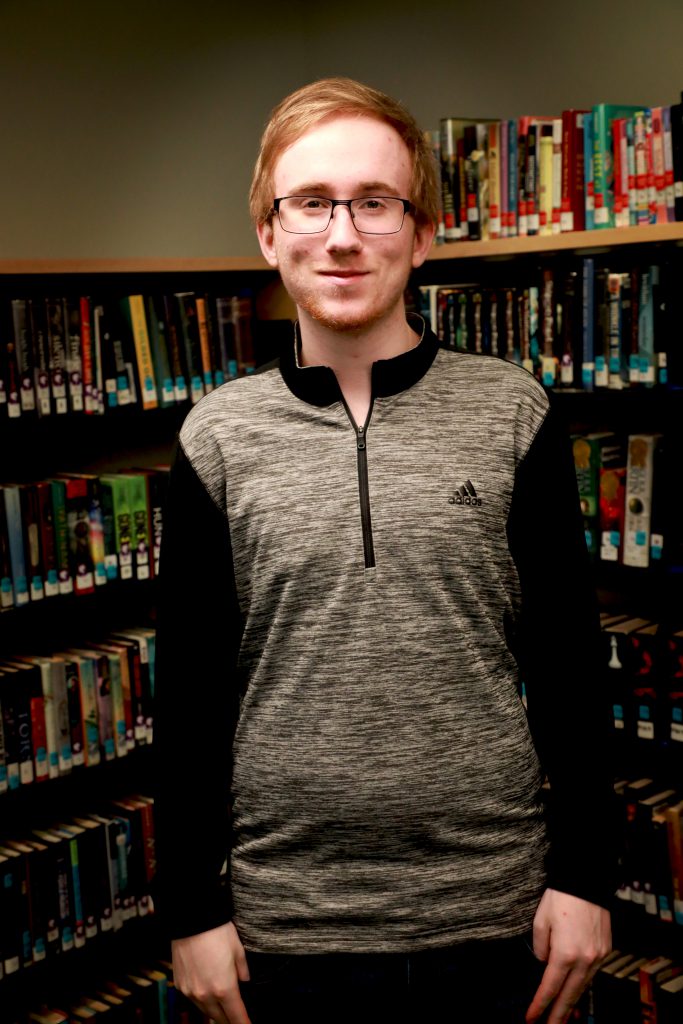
196 705
557 648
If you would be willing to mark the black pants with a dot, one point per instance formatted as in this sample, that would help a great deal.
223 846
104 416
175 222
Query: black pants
474 983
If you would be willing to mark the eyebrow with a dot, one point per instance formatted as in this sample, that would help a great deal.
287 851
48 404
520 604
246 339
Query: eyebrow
378 188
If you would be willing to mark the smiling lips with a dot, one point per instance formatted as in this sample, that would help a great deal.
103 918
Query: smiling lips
343 274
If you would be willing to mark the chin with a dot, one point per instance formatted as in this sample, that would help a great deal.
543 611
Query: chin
351 320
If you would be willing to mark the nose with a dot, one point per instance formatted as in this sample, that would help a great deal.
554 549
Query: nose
341 233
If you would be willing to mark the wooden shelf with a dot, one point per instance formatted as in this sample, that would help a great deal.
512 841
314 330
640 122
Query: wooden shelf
134 265
571 240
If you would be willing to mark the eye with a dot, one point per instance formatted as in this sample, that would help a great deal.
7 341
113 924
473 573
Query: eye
372 204
313 203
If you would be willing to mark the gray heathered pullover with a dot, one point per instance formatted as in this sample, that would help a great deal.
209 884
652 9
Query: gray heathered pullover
346 618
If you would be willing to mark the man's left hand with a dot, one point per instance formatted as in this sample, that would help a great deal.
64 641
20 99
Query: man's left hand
573 937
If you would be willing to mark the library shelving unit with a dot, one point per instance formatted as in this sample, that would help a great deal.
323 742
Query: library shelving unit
32 448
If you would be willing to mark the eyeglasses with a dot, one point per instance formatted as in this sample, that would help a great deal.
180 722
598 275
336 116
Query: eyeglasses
371 215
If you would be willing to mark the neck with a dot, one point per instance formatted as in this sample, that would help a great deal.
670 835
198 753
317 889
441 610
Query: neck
351 354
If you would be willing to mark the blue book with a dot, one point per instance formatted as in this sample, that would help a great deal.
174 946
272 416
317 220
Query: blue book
15 534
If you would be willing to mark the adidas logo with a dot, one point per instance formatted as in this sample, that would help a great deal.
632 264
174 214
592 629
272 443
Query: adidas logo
465 495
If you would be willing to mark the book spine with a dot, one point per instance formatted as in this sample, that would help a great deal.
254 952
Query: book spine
75 713
588 324
450 181
638 503
74 358
504 178
659 166
47 539
494 180
631 167
23 347
668 165
545 186
205 343
557 175
135 307
532 176
58 491
178 369
651 181
579 171
12 385
640 147
568 171
33 556
39 739
85 315
78 526
57 350
118 706
462 181
6 587
614 299
601 159
89 710
646 330
41 355
160 358
433 140
16 545
513 174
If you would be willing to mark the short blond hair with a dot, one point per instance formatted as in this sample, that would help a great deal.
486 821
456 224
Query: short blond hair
322 101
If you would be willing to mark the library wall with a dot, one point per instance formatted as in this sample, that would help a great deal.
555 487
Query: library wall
130 129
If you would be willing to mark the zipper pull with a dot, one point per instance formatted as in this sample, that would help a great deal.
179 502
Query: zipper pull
361 440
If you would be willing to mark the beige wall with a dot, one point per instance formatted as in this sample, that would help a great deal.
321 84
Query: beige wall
130 129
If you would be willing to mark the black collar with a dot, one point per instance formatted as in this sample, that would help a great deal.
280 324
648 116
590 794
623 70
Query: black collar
318 385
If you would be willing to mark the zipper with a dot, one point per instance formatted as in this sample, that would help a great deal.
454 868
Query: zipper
363 488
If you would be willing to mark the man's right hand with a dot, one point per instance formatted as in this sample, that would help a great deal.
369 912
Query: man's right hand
208 967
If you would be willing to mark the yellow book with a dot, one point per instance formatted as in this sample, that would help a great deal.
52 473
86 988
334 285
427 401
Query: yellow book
205 344
143 352
494 180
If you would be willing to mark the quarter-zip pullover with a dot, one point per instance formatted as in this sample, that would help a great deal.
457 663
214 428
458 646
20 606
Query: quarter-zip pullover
347 617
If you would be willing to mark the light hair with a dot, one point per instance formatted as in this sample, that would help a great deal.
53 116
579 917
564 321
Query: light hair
330 98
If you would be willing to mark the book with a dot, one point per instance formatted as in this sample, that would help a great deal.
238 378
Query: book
642 449
159 347
56 333
134 309
572 209
15 535
612 497
603 160
186 307
74 354
23 347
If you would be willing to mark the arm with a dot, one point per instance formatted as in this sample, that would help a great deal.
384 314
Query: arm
196 707
557 648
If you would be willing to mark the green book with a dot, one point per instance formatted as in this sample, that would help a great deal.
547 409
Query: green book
116 504
603 159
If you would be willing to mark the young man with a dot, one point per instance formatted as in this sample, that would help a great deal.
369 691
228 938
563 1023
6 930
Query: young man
367 548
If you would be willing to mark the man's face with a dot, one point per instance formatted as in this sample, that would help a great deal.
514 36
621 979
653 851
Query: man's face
345 280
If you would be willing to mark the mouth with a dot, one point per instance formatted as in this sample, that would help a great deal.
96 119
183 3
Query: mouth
339 276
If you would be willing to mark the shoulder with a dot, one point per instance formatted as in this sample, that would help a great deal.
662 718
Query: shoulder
501 390
212 426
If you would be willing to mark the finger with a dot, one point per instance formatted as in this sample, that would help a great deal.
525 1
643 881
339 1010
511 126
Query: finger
241 963
551 984
234 1009
569 994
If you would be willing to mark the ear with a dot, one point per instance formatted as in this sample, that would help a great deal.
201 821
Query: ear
422 243
266 239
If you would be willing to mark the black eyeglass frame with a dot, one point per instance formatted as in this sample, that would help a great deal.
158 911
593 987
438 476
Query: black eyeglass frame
408 207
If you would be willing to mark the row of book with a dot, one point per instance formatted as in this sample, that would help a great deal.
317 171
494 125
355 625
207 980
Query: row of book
141 994
643 664
612 165
78 354
76 708
651 868
67 883
630 988
623 483
584 327
78 531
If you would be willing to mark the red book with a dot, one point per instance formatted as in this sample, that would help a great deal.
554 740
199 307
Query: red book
86 353
39 738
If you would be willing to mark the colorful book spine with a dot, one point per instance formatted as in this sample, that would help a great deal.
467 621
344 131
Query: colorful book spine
135 308
661 215
668 165
494 172
89 387
557 175
15 534
589 179
513 179
74 360
640 147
